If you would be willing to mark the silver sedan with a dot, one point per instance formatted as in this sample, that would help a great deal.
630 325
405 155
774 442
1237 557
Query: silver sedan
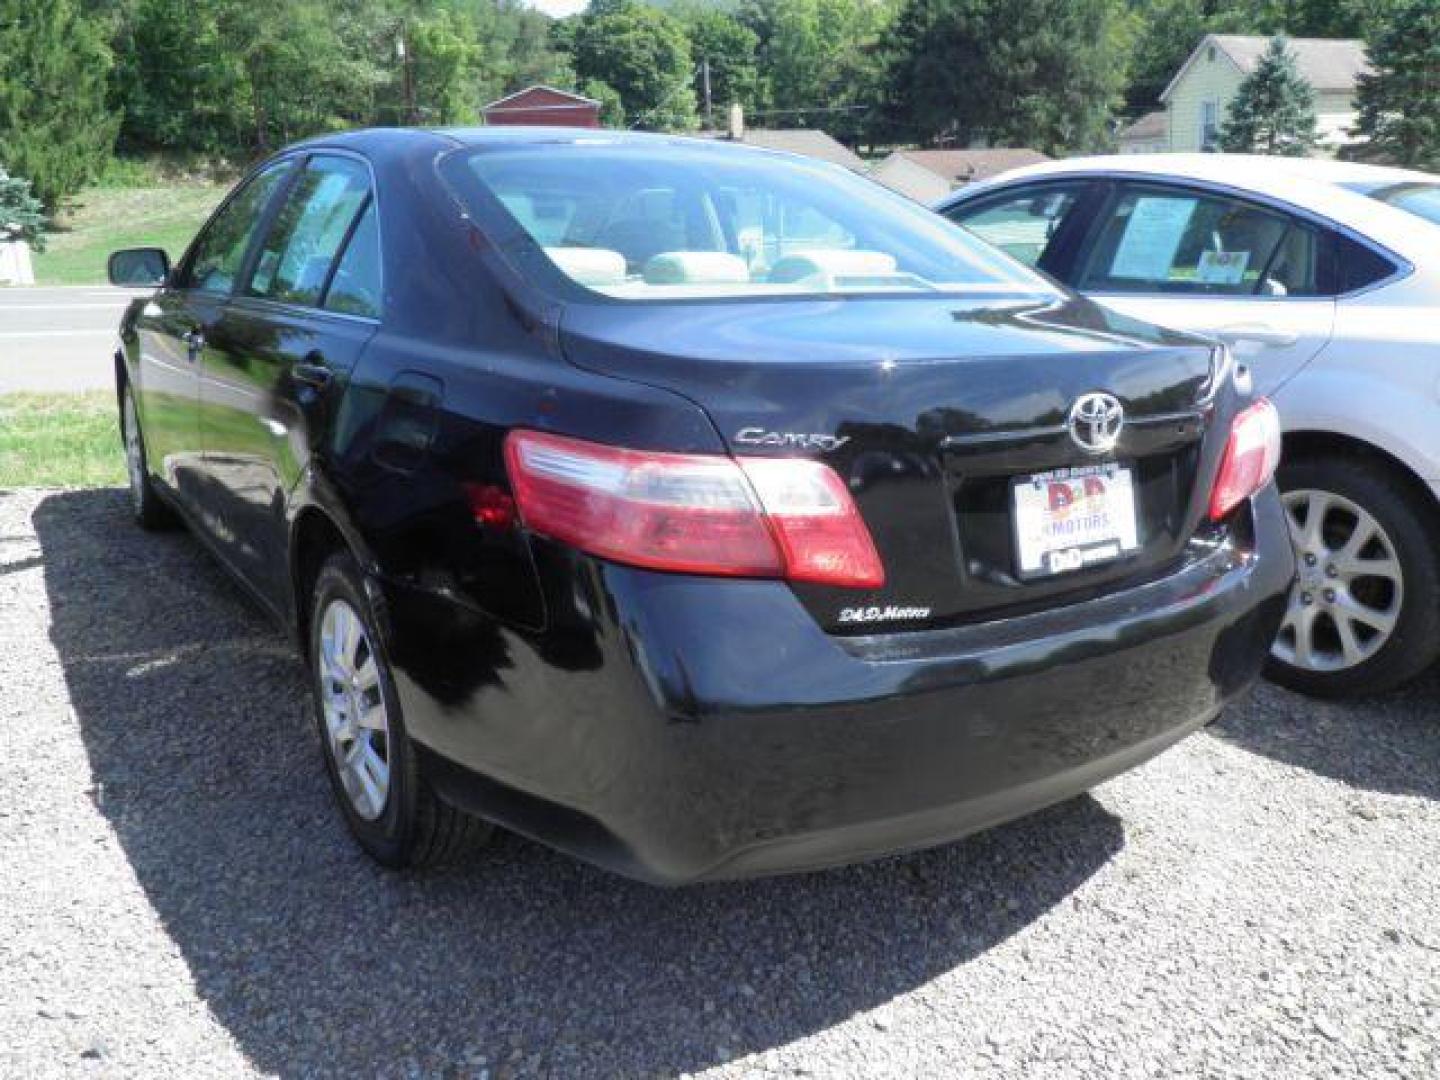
1324 277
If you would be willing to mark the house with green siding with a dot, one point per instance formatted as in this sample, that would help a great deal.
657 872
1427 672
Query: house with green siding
1198 98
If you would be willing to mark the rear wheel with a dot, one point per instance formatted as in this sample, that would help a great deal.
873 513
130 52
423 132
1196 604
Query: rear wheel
149 509
1364 612
387 804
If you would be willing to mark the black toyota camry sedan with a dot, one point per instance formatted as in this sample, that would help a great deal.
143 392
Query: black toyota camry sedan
698 510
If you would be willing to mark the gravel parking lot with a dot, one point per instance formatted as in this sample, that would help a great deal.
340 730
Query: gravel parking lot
178 897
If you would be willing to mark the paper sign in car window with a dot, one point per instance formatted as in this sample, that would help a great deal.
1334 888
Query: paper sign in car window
1222 267
1152 237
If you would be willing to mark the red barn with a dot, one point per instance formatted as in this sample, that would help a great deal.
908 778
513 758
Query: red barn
546 106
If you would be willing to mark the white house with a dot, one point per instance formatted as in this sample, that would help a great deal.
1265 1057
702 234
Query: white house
1198 98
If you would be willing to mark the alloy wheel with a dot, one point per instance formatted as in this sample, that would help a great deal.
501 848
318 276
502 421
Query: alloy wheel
1346 601
354 706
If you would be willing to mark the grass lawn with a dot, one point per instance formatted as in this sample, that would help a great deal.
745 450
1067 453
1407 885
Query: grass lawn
101 219
60 440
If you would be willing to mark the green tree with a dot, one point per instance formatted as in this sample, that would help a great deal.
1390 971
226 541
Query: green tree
298 74
22 217
445 58
1041 73
612 109
1274 109
643 54
56 128
1316 18
530 55
1398 102
821 61
728 47
175 85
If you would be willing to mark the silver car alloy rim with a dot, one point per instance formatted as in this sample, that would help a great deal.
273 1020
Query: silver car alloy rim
354 704
134 456
1346 600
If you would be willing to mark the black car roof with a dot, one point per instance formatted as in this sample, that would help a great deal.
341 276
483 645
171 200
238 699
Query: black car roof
380 142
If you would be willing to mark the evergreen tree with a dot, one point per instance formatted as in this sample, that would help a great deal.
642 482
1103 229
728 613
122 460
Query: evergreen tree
176 85
21 215
1274 109
1399 101
56 129
1039 73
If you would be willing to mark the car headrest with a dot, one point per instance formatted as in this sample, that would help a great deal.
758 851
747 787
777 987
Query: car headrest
589 266
831 262
696 268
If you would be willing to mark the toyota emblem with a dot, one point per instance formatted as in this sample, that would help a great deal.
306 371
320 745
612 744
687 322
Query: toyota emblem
1095 422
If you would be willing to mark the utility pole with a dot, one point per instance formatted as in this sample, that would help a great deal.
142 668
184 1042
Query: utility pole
709 115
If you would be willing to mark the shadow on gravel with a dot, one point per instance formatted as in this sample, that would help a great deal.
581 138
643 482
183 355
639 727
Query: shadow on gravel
192 713
1389 743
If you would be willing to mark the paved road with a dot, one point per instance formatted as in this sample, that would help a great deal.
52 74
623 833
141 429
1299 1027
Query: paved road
178 897
54 338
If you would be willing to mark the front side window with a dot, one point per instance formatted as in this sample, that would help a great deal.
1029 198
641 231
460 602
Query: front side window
295 260
1023 226
220 251
633 222
1170 240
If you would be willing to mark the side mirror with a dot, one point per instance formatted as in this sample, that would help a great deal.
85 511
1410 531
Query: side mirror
138 267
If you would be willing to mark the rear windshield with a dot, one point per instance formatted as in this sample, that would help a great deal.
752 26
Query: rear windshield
1422 200
644 222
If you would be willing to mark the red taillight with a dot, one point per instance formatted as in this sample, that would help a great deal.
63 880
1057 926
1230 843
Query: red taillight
693 513
821 533
1251 457
491 506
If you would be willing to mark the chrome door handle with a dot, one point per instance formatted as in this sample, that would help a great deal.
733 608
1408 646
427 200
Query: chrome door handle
1258 333
315 376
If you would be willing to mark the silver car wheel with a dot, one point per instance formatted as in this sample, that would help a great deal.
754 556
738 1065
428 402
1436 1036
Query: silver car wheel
354 705
134 452
1346 601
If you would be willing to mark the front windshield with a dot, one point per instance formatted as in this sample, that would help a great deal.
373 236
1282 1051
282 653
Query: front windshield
642 221
1422 200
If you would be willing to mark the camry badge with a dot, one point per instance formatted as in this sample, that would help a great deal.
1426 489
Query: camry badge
795 440
1095 422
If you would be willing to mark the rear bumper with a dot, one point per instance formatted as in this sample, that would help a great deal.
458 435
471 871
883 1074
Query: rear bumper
676 728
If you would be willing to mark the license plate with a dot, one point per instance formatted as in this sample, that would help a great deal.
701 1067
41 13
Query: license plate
1071 519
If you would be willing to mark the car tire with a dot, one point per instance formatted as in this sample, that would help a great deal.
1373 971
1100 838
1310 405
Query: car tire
409 825
151 512
1392 604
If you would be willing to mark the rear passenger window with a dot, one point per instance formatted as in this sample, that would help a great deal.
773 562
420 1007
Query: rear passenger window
1168 240
355 289
1024 226
295 260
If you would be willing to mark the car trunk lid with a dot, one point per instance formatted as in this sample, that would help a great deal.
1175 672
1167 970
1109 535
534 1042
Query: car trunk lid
933 410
